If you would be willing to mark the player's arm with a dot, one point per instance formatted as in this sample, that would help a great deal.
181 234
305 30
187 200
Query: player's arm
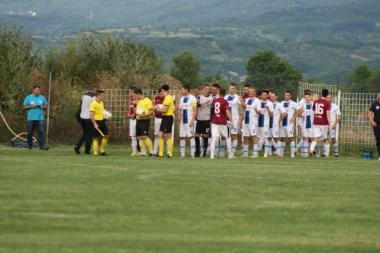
297 114
338 119
92 117
328 116
195 112
176 105
180 115
256 110
230 118
243 104
270 109
282 117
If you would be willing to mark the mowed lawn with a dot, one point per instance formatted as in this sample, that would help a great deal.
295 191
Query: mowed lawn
57 201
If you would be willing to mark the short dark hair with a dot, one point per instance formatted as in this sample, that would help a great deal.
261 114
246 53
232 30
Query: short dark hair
233 84
138 92
289 91
133 88
259 93
36 86
275 93
195 87
187 87
165 87
206 85
216 85
222 92
159 90
265 91
98 92
307 93
247 86
325 92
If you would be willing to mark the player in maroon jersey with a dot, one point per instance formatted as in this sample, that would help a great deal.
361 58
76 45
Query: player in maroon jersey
221 111
321 123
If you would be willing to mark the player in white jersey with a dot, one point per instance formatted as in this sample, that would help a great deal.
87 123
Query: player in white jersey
335 117
264 109
235 102
307 118
300 120
187 114
287 124
249 123
279 114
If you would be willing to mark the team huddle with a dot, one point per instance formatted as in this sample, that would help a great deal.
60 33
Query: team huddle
211 121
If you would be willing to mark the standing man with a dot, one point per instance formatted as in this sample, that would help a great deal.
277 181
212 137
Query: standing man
144 109
275 121
321 109
85 121
187 116
214 93
336 116
287 125
221 112
132 121
249 124
100 127
35 103
307 121
157 101
374 118
245 97
203 120
167 111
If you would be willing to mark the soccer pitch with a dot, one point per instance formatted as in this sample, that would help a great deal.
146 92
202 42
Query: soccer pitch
57 201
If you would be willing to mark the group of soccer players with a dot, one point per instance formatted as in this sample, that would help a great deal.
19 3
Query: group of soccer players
213 119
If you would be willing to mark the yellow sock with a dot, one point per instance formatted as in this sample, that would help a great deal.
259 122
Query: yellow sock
161 144
104 144
142 146
170 144
149 145
95 146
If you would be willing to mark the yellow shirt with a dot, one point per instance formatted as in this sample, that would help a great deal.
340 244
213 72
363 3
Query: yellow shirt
169 102
98 109
145 104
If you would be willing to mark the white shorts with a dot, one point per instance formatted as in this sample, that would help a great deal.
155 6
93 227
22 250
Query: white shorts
332 133
308 132
157 124
236 125
249 130
287 131
263 132
274 132
186 131
132 127
321 131
220 130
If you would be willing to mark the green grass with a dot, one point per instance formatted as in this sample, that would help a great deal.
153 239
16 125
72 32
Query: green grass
57 201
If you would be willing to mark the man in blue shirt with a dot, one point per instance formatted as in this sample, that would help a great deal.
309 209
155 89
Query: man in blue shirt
36 104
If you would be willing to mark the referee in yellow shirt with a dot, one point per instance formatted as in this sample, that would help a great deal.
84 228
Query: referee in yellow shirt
143 111
167 111
97 118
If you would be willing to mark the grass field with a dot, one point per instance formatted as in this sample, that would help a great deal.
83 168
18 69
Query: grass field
57 201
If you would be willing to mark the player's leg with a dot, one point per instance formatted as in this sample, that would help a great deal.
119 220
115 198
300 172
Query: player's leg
190 134
214 139
83 138
95 143
226 133
182 138
246 135
283 135
255 140
317 134
334 142
103 127
326 141
234 134
169 136
205 131
157 124
222 146
132 134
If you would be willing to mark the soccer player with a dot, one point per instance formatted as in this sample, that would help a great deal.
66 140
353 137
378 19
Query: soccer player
196 91
100 127
250 123
336 116
287 125
221 111
132 121
35 103
203 120
264 110
187 115
167 111
274 125
85 121
234 101
321 109
307 121
301 144
214 93
143 121
245 97
157 100
374 118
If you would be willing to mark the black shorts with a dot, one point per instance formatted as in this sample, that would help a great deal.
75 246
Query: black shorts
142 127
166 124
203 127
102 127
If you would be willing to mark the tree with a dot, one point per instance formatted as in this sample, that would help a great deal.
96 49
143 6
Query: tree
266 69
186 69
361 79
216 78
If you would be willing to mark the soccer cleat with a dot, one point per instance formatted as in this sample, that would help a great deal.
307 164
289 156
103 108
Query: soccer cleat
231 157
221 155
311 154
254 156
44 148
244 155
265 155
87 153
181 156
197 154
134 154
278 156
169 156
269 155
77 151
95 154
152 155
336 155
143 154
103 154
212 158
292 156
379 159
192 157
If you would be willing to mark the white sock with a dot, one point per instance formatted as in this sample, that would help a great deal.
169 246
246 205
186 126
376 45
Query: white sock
292 148
312 146
229 147
269 147
261 143
182 144
327 149
283 144
300 144
245 149
192 146
279 148
234 146
323 148
214 139
222 147
255 149
134 145
336 148
155 145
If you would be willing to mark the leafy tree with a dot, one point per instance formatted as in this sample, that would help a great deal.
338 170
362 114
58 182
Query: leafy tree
216 78
266 69
361 79
186 69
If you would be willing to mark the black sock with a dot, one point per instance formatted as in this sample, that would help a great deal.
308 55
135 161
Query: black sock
205 144
138 146
197 145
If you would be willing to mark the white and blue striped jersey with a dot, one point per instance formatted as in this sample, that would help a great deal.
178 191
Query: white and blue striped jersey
309 115
278 111
263 119
300 120
334 113
290 107
187 105
234 103
250 115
